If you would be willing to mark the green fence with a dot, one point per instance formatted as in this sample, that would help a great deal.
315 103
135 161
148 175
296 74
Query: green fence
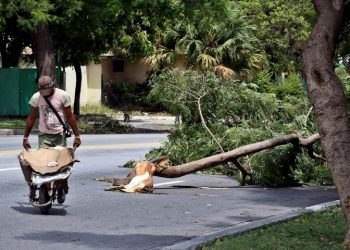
17 85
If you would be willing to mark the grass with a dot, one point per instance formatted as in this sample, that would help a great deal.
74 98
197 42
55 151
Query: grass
95 110
312 231
12 123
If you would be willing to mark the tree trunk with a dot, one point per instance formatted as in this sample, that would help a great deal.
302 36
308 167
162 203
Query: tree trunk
76 109
327 97
230 156
233 155
43 50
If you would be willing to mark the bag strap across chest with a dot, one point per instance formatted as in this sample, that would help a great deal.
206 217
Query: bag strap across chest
56 113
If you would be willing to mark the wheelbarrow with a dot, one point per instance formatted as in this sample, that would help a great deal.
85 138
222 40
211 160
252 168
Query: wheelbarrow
47 170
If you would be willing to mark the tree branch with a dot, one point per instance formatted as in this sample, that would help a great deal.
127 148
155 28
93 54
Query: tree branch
233 155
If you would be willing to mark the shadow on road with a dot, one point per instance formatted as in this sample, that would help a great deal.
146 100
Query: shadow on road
100 241
26 208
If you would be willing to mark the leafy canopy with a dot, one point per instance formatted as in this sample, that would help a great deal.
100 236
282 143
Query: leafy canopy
282 27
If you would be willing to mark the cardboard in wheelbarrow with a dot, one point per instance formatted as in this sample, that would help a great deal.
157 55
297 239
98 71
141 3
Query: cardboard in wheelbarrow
47 160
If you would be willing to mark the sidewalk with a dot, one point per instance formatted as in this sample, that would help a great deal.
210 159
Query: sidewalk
139 124
150 123
198 242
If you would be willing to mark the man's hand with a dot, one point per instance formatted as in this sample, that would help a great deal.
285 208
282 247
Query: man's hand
26 144
76 142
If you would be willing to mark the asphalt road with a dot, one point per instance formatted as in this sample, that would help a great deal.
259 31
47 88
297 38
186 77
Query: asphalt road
91 218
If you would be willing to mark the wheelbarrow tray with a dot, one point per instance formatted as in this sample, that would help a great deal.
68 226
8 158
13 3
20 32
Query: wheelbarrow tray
48 161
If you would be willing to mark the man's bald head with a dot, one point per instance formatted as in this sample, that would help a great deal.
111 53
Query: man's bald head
45 85
44 79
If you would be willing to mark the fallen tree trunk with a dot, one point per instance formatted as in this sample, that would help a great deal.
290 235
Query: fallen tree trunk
230 156
233 155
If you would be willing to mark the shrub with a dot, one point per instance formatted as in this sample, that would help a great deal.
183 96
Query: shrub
312 171
129 97
274 167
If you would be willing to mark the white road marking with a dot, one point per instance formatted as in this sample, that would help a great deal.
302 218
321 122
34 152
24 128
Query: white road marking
8 169
107 146
167 183
99 146
10 152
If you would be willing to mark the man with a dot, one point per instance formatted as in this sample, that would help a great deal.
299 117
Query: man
51 132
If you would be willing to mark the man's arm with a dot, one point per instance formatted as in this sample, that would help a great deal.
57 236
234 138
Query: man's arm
29 125
73 123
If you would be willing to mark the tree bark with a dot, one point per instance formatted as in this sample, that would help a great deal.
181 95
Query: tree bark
76 108
43 49
233 155
327 97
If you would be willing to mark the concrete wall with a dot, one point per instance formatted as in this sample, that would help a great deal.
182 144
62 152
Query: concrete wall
94 83
94 74
90 84
69 84
134 72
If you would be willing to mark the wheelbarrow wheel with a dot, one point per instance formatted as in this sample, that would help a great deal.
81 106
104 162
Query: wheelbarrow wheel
44 198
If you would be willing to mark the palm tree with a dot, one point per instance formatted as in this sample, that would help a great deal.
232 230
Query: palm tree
227 46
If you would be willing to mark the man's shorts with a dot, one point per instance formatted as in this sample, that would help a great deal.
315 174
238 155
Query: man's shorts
52 140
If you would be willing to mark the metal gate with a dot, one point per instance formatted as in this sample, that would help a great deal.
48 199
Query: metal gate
17 85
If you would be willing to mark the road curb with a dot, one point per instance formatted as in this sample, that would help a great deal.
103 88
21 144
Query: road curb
15 131
139 124
197 242
134 130
322 206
